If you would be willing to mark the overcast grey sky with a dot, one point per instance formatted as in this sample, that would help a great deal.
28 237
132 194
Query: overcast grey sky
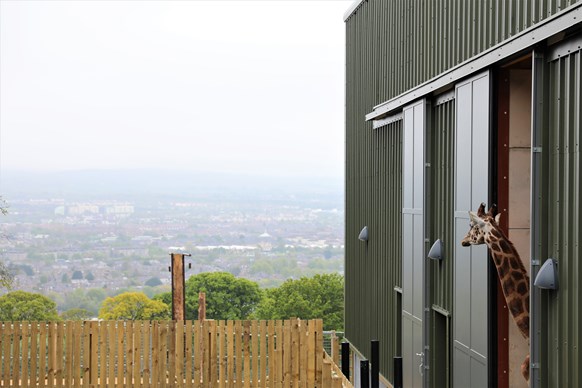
191 85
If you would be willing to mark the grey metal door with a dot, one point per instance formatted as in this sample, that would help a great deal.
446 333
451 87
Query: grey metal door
413 244
470 334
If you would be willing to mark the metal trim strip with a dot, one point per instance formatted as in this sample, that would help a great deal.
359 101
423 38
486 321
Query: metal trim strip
445 97
524 40
387 120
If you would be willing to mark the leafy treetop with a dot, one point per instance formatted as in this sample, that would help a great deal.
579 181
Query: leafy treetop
27 306
133 306
320 296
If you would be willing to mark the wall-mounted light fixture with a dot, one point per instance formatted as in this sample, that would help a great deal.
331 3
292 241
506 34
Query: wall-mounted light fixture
364 235
436 251
547 277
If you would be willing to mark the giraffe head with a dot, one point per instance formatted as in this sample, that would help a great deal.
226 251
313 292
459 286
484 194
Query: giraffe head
481 224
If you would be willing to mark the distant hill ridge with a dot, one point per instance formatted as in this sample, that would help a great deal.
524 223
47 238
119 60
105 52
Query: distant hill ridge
155 183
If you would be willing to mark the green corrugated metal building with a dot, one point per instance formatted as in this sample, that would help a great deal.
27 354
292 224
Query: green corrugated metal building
450 103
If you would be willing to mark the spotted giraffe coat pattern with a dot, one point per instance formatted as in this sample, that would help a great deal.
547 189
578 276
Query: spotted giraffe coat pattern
484 229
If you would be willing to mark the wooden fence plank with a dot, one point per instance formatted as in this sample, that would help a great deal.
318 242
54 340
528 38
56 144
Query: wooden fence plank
311 353
279 344
263 354
171 351
271 346
230 353
163 353
129 356
205 352
34 380
24 354
238 353
213 354
287 366
155 355
93 352
146 364
326 369
197 354
76 362
42 351
221 344
254 354
102 353
15 375
188 353
295 352
120 337
86 358
303 353
5 343
247 355
318 351
179 354
59 355
67 354
111 352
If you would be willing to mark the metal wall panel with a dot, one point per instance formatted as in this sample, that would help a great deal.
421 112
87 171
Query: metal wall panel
561 325
470 331
413 243
374 198
421 39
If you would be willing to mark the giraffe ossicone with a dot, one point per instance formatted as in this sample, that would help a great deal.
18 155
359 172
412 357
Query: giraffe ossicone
484 229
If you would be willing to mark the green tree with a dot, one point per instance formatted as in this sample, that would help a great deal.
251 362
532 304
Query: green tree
133 306
65 278
76 314
227 297
27 306
321 296
6 277
77 275
90 277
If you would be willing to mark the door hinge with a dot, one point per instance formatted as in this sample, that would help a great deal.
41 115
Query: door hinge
536 149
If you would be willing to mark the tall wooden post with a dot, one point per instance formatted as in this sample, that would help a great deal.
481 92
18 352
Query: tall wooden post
178 287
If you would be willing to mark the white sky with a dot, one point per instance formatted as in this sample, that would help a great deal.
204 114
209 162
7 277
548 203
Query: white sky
231 86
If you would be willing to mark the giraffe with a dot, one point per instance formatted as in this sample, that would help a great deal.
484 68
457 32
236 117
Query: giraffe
510 269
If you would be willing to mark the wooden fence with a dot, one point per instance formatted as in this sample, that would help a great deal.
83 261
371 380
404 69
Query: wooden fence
227 354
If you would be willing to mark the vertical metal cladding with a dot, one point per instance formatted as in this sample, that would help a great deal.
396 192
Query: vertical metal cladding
403 43
442 168
373 269
561 321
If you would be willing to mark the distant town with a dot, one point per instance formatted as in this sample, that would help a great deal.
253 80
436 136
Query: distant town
79 252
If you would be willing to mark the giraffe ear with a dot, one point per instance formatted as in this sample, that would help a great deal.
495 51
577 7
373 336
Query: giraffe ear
497 218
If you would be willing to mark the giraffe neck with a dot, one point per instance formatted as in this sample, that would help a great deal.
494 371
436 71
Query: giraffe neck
513 277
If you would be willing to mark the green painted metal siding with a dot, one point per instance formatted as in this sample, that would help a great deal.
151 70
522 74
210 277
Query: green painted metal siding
442 190
403 43
561 320
373 199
